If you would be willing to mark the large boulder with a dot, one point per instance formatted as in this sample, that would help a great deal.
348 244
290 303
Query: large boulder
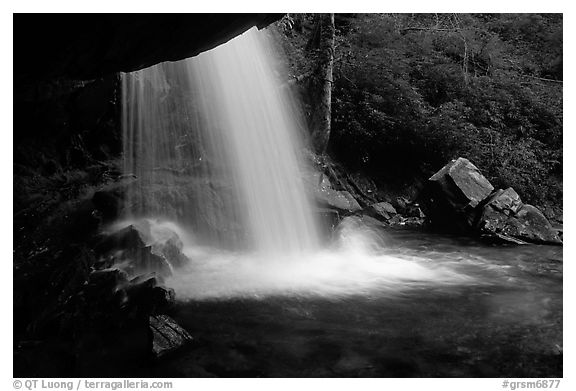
505 201
128 238
322 192
451 196
171 250
143 260
504 218
383 211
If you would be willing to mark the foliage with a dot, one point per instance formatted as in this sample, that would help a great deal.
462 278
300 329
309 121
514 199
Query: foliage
412 91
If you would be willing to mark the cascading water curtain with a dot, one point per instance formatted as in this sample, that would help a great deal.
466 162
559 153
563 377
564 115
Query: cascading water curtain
215 140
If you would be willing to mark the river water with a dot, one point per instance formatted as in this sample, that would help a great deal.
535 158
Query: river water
503 320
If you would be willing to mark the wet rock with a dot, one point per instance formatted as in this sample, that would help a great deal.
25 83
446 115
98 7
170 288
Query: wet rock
167 335
143 260
321 190
506 201
462 183
499 238
339 200
414 210
108 278
528 224
397 220
383 211
163 298
358 221
329 218
400 204
451 195
125 239
150 279
414 222
144 297
171 250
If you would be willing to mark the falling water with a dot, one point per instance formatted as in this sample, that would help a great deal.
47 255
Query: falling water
214 141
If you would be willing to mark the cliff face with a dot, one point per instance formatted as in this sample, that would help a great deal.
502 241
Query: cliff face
84 46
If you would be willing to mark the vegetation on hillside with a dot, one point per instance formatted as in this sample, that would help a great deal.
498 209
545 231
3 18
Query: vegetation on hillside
412 91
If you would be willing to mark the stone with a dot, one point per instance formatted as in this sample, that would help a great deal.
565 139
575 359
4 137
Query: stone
400 204
452 195
125 239
397 220
414 222
143 260
339 200
163 298
506 201
321 190
172 252
415 211
108 278
528 225
167 336
329 219
382 211
463 183
501 239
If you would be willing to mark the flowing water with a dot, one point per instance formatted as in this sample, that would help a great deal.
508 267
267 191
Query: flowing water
220 122
503 320
215 145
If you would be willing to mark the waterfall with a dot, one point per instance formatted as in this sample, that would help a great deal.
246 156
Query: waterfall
215 142
215 145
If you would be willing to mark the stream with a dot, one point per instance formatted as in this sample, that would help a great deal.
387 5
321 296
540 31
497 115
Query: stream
508 323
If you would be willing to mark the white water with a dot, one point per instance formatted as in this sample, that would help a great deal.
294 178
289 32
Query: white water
357 263
215 144
246 131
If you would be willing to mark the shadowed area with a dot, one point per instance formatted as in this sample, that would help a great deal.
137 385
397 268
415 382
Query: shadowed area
87 46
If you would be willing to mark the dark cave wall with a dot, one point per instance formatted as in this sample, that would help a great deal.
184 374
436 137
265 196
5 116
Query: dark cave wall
66 124
86 46
67 132
66 88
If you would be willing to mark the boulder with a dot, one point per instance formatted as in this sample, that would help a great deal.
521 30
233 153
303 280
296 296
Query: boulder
463 183
400 204
108 279
528 224
145 297
506 201
329 219
143 260
383 211
128 238
321 191
451 196
167 335
171 250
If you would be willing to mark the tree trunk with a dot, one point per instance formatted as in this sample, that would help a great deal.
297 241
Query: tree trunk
321 82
